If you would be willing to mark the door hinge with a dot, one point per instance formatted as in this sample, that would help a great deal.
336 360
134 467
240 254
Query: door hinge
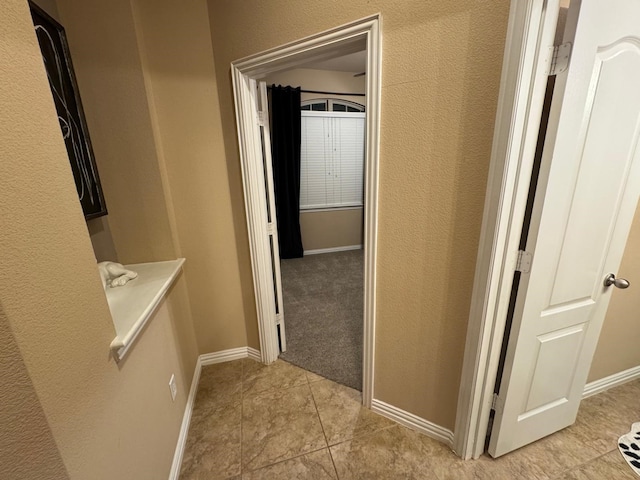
523 263
261 118
560 56
271 228
496 403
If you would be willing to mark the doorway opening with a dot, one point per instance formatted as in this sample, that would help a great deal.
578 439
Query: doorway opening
317 117
250 93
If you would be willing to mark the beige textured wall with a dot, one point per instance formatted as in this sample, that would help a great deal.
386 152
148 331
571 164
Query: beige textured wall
441 72
617 348
332 228
102 240
27 448
103 42
321 80
99 229
49 6
179 67
107 420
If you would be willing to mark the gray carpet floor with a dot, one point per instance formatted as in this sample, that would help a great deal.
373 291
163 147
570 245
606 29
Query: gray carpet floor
323 308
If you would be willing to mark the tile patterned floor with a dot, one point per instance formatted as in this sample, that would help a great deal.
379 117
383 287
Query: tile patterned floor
252 422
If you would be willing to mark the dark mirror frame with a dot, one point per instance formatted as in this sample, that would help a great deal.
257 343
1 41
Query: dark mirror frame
64 89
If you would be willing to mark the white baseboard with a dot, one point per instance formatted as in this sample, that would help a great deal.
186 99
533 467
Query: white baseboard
186 420
333 249
206 359
229 355
413 421
254 354
611 381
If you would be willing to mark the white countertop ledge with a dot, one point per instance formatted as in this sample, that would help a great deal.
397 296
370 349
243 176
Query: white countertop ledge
133 304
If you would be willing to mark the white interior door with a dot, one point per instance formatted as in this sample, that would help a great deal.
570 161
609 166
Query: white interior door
272 221
586 199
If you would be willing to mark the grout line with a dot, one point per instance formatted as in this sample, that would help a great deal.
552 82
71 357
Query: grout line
326 439
286 460
313 399
334 463
583 464
370 434
276 389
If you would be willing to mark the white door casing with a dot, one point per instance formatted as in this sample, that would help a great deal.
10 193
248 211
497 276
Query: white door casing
272 218
525 69
356 36
591 170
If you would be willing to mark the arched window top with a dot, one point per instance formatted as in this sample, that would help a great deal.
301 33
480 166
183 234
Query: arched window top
331 105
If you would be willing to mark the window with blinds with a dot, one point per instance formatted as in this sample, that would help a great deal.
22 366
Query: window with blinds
332 160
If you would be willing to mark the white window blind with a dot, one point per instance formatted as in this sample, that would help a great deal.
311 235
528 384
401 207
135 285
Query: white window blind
332 160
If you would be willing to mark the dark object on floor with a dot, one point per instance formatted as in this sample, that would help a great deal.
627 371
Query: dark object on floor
630 441
323 308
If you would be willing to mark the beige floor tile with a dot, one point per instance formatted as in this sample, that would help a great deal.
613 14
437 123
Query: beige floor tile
206 423
448 466
219 384
312 466
341 412
600 423
624 400
272 422
607 467
313 377
554 454
392 453
278 425
213 449
258 378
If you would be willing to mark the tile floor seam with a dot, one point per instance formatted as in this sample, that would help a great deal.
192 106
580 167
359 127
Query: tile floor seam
368 434
270 390
286 460
333 462
326 439
580 465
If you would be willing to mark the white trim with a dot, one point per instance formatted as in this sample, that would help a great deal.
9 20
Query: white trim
333 249
356 36
203 360
133 305
530 33
412 421
229 355
174 473
331 100
611 381
330 209
311 113
254 354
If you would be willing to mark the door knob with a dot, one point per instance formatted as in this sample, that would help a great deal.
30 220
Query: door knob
616 282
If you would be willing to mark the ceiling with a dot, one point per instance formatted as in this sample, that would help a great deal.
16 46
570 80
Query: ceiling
354 63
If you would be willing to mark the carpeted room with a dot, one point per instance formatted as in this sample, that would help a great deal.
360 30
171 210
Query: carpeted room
317 129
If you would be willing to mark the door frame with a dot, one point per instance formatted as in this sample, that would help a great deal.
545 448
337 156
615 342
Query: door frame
527 58
339 41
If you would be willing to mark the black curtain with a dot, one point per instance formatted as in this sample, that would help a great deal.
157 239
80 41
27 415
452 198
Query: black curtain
285 152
